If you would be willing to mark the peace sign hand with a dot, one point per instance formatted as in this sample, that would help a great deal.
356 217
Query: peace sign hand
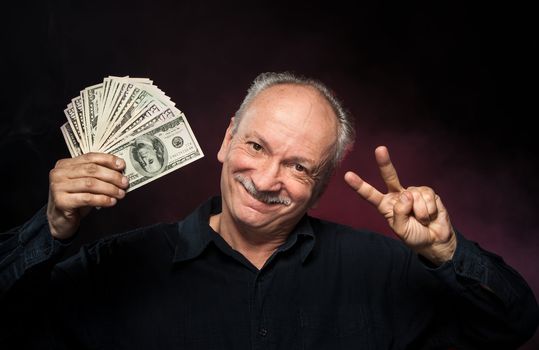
416 214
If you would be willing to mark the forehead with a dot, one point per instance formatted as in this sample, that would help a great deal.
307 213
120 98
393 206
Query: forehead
291 116
292 104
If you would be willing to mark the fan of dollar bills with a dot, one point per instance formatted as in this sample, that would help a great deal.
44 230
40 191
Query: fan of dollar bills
132 119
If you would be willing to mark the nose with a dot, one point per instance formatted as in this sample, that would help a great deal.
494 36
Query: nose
267 176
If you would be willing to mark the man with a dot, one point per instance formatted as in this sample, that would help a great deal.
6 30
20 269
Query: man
148 152
250 269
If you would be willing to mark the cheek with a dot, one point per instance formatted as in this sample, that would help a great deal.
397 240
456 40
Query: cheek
299 191
239 159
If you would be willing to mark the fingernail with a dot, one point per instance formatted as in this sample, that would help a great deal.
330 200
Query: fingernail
113 201
121 192
119 163
124 180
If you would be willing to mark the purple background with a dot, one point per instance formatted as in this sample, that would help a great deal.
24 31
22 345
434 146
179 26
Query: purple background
447 87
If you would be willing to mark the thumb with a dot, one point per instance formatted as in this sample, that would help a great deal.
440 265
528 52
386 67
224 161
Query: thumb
401 212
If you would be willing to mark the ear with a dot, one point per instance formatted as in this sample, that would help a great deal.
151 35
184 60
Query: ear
223 151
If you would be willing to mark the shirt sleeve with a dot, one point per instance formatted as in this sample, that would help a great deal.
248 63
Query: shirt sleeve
27 256
24 247
492 296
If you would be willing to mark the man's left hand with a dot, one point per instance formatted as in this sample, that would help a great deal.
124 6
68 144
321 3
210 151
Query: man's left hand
416 214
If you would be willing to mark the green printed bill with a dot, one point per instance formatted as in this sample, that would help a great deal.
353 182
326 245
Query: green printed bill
134 120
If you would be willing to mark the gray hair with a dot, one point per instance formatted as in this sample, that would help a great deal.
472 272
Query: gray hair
345 129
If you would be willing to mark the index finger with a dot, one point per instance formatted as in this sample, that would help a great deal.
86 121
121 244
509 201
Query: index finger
107 160
364 189
387 170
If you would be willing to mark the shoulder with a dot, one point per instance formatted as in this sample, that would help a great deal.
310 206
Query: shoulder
327 231
353 246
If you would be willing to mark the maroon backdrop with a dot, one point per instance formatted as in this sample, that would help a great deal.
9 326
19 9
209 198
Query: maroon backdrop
445 86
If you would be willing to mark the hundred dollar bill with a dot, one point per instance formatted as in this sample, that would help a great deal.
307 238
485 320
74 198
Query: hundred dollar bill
147 119
72 119
158 151
71 141
79 113
91 97
139 101
134 119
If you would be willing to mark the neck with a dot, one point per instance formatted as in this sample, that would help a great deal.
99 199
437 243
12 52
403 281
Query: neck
255 245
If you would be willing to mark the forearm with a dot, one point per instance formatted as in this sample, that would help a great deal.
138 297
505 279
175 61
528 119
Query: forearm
494 303
24 247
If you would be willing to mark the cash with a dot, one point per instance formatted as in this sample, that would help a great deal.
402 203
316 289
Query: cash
134 120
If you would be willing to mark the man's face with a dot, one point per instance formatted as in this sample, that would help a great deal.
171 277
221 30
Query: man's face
148 159
269 164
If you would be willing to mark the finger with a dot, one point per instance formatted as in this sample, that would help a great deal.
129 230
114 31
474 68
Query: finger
365 190
401 213
387 170
442 211
420 210
107 160
89 170
429 197
81 200
90 185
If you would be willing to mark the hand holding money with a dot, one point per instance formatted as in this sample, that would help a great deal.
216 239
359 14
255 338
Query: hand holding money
134 120
78 184
140 136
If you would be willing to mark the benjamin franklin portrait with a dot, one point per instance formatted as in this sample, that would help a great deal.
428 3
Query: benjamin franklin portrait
148 155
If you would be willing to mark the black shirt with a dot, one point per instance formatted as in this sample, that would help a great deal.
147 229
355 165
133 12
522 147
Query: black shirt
181 286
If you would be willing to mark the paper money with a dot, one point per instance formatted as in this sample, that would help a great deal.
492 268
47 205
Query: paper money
134 120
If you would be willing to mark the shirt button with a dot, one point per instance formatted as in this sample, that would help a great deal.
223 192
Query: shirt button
262 332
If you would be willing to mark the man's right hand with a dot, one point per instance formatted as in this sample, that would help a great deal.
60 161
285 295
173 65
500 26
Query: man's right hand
78 184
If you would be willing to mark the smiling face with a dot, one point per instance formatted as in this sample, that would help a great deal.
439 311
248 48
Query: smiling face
271 161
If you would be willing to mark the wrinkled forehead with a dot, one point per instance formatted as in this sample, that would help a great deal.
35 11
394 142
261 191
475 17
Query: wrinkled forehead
293 102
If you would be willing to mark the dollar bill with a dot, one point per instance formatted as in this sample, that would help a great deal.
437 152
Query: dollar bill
137 121
158 151
69 137
91 97
72 119
79 113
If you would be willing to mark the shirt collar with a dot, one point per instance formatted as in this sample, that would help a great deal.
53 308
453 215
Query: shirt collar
195 234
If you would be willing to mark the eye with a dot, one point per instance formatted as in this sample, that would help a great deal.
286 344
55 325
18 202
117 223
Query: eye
256 146
300 168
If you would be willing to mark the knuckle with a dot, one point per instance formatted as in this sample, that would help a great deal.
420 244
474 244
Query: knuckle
86 198
89 182
87 157
52 173
426 189
59 163
91 168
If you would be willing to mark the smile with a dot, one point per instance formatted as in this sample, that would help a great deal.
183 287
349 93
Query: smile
262 196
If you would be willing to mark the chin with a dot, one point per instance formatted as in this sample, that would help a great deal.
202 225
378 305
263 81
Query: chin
253 218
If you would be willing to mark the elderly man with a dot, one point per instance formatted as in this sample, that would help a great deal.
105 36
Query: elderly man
249 269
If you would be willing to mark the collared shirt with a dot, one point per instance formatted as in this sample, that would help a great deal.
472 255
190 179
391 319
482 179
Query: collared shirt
181 286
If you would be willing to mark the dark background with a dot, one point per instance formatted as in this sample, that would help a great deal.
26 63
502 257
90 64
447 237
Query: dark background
448 87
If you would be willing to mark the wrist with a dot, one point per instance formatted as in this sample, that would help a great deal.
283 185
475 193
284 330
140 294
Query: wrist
439 253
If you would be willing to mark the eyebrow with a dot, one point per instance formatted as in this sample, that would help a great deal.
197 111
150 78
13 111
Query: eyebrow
295 159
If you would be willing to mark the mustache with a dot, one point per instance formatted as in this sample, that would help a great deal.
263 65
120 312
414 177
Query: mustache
267 197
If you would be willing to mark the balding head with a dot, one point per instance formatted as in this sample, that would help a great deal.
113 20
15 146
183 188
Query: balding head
345 133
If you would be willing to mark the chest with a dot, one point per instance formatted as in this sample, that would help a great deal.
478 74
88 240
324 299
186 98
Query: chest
194 305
